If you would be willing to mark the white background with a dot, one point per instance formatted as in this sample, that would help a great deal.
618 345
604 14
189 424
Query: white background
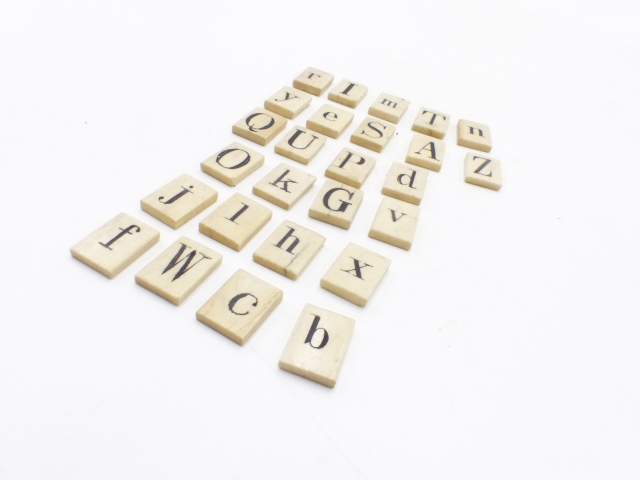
504 345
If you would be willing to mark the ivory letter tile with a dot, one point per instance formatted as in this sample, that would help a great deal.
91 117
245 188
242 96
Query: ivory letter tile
348 93
313 81
350 167
406 183
474 135
300 144
289 249
373 134
240 306
236 221
115 245
288 102
318 345
260 126
179 200
284 186
330 121
355 274
179 270
426 152
395 223
389 107
336 204
432 123
233 164
483 171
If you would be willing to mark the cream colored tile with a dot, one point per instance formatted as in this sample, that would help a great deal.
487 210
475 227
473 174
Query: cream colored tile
179 270
336 204
318 345
483 171
348 93
236 221
405 182
288 102
431 122
474 135
289 249
300 144
233 164
395 223
373 134
355 274
260 126
350 167
284 186
426 152
240 306
115 245
330 121
179 200
389 107
313 81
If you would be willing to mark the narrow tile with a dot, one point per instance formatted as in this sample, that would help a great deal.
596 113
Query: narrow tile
426 152
389 107
236 221
431 122
483 171
373 134
288 102
240 306
115 245
348 93
179 270
300 144
406 183
284 186
395 223
233 164
474 135
260 126
355 274
289 249
351 167
330 121
336 204
313 81
318 345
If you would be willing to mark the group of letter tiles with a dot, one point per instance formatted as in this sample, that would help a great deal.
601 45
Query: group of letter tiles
319 341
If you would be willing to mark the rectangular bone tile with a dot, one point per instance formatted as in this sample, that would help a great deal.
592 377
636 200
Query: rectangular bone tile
348 93
351 167
318 345
115 245
236 221
284 186
405 182
288 102
373 134
233 164
395 223
260 126
289 249
474 135
483 171
389 107
179 200
336 204
179 270
300 144
426 152
240 306
330 120
313 81
355 274
431 122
